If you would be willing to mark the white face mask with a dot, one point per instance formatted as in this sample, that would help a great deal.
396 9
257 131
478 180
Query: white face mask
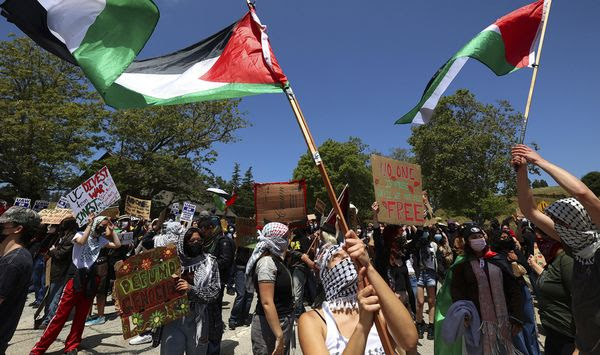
477 244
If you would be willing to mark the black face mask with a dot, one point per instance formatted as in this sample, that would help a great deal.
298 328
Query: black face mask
2 236
193 249
99 230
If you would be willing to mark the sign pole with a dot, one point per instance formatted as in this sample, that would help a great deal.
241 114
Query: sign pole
535 71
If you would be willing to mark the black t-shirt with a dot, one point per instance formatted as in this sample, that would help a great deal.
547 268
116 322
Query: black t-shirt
15 276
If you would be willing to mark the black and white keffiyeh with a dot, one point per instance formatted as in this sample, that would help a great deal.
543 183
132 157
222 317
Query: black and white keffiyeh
273 238
340 282
581 234
173 232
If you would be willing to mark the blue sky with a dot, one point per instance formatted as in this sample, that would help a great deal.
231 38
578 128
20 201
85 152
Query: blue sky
356 66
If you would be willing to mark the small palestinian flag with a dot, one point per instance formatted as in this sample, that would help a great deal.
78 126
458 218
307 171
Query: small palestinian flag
222 199
104 37
504 47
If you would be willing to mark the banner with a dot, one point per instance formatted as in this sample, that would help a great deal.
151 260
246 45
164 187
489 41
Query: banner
93 196
126 238
39 205
398 191
23 202
187 215
146 291
62 203
55 216
245 232
320 207
137 207
280 202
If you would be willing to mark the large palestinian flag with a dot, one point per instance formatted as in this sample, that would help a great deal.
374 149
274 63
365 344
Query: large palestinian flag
505 46
104 37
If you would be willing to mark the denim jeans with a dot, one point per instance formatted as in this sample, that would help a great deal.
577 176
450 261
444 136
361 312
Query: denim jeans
54 293
240 312
179 337
298 282
215 324
526 340
263 339
39 278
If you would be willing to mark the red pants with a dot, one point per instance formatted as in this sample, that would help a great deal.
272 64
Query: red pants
69 299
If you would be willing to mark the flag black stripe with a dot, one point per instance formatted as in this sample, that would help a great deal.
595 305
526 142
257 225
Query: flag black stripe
180 61
31 17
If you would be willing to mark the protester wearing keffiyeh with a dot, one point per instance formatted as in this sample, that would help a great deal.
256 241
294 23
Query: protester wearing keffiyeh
273 239
340 282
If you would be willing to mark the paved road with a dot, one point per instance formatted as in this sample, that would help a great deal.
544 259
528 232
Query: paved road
108 338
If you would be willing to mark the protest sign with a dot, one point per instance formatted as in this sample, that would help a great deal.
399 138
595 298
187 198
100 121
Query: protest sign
39 205
176 209
146 291
93 196
137 207
398 191
245 232
164 198
187 215
111 212
126 238
23 202
55 216
280 202
62 203
320 207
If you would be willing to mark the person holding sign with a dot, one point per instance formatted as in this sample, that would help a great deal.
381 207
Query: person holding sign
344 323
80 289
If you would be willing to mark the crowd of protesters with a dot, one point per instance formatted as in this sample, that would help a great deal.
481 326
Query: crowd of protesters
471 288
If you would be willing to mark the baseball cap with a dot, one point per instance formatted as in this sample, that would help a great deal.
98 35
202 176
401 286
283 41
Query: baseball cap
25 217
469 229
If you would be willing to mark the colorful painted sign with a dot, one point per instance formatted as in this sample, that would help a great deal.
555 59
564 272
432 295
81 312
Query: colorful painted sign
245 232
137 207
23 202
280 202
93 196
398 191
55 216
145 290
187 215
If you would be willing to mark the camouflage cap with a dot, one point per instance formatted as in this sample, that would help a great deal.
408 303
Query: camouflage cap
25 217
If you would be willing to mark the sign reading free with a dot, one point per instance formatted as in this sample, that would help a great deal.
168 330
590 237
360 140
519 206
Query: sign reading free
398 191
145 289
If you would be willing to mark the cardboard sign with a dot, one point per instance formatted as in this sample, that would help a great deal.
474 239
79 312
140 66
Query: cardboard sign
62 203
280 202
39 205
187 215
137 207
126 238
55 216
23 202
245 232
93 196
320 207
146 291
112 212
398 191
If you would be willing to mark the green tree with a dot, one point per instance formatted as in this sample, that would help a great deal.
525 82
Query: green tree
464 155
244 205
402 154
592 180
347 163
539 183
170 147
49 117
236 178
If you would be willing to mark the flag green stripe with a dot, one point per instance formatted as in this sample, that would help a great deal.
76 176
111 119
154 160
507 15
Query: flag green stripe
121 98
114 39
487 47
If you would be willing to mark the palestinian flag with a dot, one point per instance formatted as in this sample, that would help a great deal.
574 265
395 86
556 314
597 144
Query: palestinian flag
504 47
221 199
104 37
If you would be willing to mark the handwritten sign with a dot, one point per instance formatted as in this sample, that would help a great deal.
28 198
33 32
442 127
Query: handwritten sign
280 202
23 202
39 205
137 207
146 291
111 212
55 216
245 232
187 214
62 203
93 196
126 238
320 207
398 191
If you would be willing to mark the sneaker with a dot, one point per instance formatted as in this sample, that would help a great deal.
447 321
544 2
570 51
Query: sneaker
230 291
421 329
96 321
141 339
232 325
430 332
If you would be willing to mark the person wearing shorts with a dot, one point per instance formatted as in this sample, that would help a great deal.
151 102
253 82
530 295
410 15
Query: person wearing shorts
426 280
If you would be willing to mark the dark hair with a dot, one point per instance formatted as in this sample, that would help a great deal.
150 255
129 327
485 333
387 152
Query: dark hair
205 222
390 232
68 225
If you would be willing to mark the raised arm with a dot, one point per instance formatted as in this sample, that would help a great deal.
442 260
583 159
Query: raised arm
82 239
111 235
573 185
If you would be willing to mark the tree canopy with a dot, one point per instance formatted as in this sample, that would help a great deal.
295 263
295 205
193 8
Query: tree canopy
592 180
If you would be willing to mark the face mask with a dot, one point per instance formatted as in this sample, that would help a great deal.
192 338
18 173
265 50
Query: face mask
193 249
99 230
477 244
437 238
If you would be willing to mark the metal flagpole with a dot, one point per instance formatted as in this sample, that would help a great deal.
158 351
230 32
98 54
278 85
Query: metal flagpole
535 71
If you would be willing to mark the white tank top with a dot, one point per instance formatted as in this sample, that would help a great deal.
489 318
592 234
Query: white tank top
336 342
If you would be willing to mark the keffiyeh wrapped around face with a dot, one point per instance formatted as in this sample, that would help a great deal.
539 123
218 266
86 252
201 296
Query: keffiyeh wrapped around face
579 233
273 239
340 282
173 231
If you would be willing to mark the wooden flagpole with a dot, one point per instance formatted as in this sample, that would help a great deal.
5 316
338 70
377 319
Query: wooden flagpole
312 147
535 71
